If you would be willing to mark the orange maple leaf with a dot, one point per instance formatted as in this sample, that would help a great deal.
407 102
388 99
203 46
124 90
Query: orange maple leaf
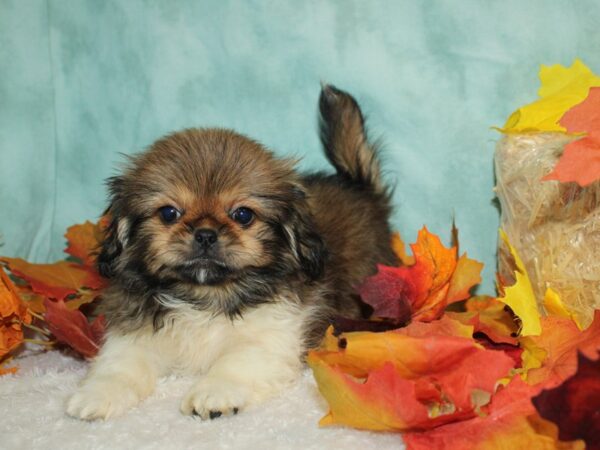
399 249
84 240
435 280
13 313
510 421
78 282
416 377
557 346
57 280
489 316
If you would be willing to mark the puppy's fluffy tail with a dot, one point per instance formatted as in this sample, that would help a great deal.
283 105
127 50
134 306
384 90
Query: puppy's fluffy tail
344 138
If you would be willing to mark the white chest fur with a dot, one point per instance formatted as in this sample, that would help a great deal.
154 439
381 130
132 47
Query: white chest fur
192 340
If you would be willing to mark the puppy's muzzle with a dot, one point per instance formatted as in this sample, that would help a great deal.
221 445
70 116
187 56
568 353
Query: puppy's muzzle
205 238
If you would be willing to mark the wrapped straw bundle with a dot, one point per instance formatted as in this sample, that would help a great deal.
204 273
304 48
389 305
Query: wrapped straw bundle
548 186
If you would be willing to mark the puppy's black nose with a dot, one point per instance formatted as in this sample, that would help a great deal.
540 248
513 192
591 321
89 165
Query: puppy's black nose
205 237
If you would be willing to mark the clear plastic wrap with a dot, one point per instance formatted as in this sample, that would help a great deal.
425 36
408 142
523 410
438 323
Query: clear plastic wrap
554 226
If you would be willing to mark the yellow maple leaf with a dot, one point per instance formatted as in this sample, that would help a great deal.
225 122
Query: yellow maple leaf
520 296
555 307
561 89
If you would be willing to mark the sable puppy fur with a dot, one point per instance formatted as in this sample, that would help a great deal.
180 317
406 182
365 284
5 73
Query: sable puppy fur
226 263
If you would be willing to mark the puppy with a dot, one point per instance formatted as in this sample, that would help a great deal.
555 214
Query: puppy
227 264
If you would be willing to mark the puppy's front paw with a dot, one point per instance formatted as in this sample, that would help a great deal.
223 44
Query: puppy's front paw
101 400
211 398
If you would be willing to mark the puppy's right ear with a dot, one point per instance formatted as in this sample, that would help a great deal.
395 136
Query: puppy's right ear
116 233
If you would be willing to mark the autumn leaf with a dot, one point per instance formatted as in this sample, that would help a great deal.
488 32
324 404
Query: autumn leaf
13 313
71 283
466 275
399 249
445 326
508 422
439 261
72 328
489 316
520 296
555 307
551 357
580 161
388 292
561 89
575 405
416 377
384 402
425 288
33 301
83 241
57 280
8 370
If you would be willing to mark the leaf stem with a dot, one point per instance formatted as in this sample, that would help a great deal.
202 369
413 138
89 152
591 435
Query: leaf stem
36 315
34 328
40 342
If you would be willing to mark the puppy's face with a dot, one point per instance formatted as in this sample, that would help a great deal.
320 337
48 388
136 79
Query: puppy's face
209 208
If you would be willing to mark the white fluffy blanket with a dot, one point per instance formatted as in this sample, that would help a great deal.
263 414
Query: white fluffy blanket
32 417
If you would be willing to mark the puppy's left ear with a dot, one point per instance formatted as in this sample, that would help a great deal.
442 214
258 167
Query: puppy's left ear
306 244
116 233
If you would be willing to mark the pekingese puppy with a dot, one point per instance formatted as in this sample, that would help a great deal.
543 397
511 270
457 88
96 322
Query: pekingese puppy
227 264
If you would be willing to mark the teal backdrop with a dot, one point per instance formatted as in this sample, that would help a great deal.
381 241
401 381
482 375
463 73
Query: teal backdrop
83 82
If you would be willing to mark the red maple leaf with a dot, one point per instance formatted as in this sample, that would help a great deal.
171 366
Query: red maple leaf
508 422
575 405
416 377
72 328
424 289
580 161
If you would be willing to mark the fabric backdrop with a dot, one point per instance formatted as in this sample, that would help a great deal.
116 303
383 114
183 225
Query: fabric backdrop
83 82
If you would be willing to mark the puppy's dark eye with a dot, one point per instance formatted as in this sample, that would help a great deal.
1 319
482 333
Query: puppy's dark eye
243 216
169 214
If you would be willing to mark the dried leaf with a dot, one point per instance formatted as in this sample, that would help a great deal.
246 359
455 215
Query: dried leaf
384 402
466 275
57 280
445 326
520 297
555 307
575 405
33 301
72 328
8 370
509 422
556 350
402 368
440 261
580 161
83 241
388 292
400 250
13 313
490 317
425 288
343 324
561 89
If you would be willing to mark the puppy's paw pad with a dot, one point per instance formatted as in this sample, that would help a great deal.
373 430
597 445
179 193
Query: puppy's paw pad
100 401
211 398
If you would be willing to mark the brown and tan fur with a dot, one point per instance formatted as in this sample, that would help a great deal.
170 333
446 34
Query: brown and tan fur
239 312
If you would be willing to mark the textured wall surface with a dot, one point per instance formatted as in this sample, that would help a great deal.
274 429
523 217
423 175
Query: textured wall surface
82 82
